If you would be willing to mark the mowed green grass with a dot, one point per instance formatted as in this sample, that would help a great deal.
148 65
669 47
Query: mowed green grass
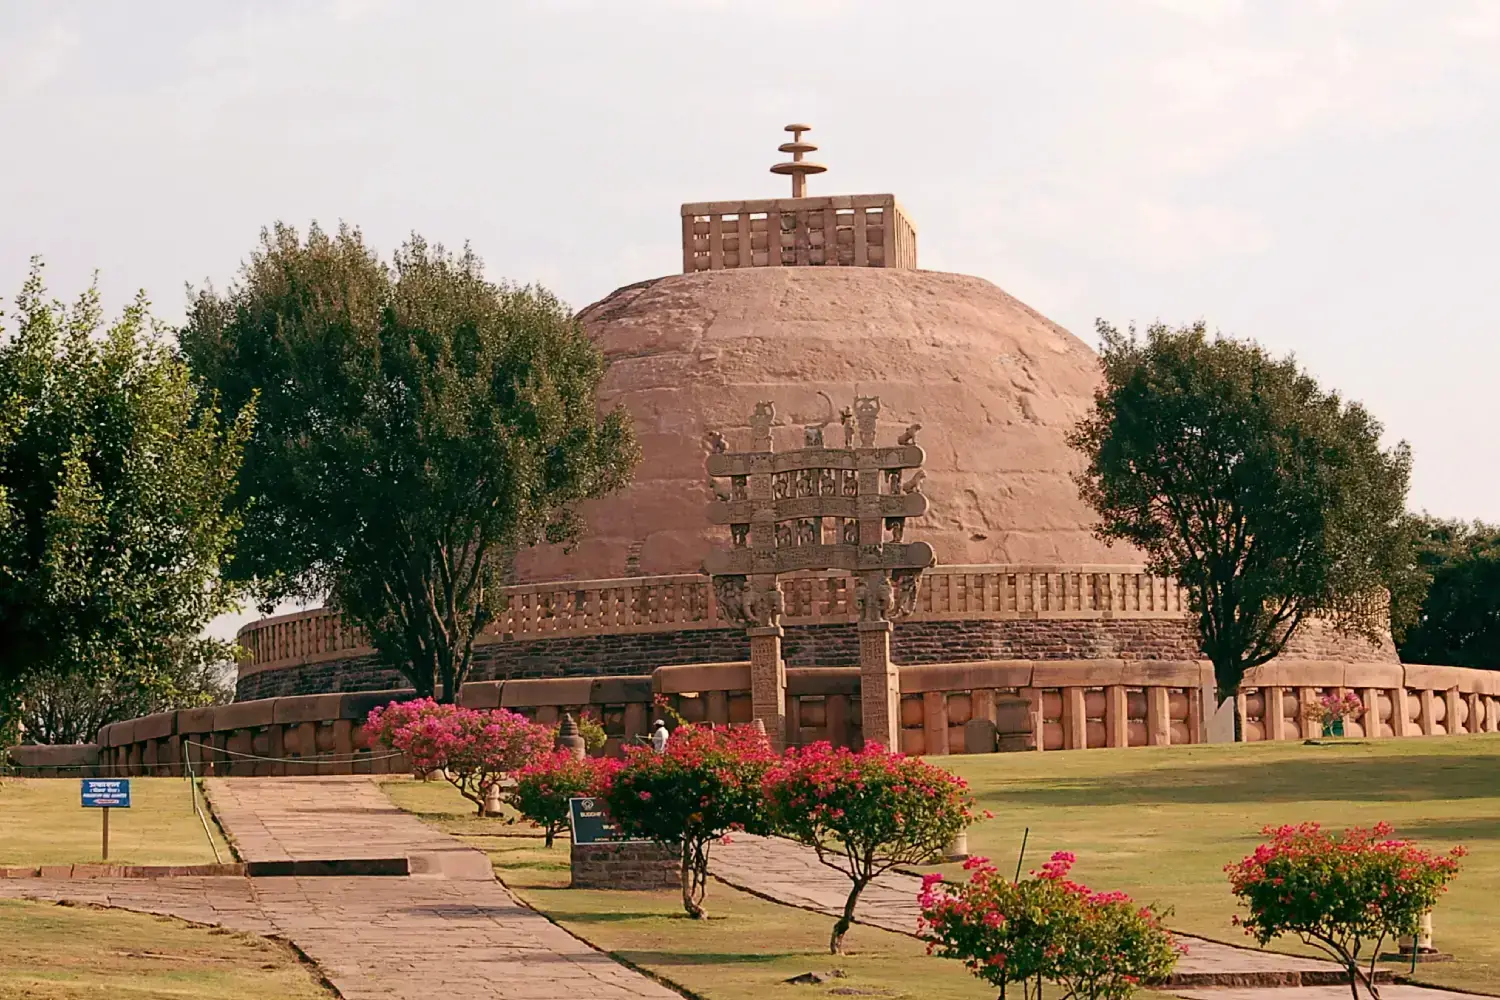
746 951
43 823
53 952
1161 823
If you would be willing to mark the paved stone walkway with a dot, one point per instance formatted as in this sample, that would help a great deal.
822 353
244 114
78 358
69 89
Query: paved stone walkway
448 932
789 873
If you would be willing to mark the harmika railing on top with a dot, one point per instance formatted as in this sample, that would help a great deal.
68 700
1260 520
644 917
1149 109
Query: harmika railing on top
685 601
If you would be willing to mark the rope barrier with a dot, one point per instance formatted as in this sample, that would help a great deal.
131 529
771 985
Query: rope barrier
329 758
192 779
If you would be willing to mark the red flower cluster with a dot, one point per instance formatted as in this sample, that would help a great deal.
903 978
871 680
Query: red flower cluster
867 812
1339 892
544 787
706 784
1095 945
474 749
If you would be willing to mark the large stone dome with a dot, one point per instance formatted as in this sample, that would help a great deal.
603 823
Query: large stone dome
995 386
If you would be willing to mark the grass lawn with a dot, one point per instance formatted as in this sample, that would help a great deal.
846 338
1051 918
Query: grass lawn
747 948
1161 823
42 823
52 952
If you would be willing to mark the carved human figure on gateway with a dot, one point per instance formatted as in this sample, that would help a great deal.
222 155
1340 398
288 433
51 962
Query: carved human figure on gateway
873 597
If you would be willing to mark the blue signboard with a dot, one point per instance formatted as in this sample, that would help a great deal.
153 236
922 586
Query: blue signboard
106 793
593 825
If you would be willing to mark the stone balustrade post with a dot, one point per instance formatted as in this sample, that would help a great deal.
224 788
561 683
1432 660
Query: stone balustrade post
1309 729
1400 712
1427 700
935 722
1116 716
1035 711
879 686
1371 719
1273 716
1074 719
1158 716
768 683
1453 714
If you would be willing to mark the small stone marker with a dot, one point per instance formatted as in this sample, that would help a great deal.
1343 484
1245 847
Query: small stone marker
105 794
570 739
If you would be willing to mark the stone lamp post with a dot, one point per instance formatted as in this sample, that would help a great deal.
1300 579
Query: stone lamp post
820 507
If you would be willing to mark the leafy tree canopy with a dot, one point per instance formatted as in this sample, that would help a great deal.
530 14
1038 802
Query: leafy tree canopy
416 425
1270 499
114 475
190 673
1457 622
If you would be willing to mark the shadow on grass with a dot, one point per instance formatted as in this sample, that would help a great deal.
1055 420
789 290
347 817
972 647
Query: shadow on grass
1409 778
1452 830
611 918
650 959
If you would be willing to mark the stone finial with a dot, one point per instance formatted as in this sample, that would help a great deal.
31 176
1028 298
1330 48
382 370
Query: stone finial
569 738
866 412
797 166
760 425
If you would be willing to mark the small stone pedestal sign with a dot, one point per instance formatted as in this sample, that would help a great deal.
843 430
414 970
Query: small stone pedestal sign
602 857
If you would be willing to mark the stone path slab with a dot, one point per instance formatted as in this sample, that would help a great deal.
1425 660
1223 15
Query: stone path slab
790 873
343 817
454 933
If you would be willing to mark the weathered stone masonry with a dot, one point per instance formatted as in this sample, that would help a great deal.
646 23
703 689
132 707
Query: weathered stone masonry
830 645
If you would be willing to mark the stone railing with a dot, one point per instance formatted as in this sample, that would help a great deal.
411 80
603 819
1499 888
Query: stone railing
1070 704
686 602
1399 699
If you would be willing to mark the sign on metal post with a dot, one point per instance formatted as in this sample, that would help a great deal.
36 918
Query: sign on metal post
593 825
105 794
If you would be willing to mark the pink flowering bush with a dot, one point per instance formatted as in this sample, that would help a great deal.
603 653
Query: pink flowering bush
474 749
1341 893
705 785
1334 707
865 813
544 786
1095 945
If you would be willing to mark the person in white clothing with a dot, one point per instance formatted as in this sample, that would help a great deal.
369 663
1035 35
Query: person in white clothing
659 736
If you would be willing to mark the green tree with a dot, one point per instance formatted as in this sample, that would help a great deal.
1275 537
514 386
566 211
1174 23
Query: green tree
114 476
1269 499
417 424
1457 620
189 673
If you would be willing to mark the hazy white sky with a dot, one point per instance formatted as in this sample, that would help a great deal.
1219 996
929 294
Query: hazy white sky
1318 175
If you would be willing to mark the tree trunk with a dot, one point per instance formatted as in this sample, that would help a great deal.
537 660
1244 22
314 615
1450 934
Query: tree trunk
836 942
694 880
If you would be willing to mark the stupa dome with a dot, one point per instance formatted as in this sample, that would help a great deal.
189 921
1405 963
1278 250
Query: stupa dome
995 385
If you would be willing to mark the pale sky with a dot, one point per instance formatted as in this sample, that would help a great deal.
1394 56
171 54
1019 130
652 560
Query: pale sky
1321 176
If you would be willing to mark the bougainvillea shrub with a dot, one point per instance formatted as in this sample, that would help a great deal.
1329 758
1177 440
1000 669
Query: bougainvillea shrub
1334 707
473 749
1094 945
1346 894
544 786
706 784
865 813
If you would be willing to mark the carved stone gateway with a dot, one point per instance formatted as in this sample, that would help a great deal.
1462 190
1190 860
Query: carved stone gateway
820 508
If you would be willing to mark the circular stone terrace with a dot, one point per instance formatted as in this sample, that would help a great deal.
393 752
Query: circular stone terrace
594 628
